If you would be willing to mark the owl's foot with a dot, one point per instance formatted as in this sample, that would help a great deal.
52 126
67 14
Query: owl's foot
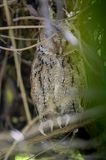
44 125
67 119
41 128
51 124
63 121
59 121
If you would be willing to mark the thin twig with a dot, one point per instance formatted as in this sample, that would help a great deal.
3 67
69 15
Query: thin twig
21 27
26 18
18 38
28 63
20 49
9 3
2 71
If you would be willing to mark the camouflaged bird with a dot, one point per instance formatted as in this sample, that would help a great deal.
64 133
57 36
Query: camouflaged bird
54 88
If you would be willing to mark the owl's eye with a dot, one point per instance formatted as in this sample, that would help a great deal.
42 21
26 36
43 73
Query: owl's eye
41 50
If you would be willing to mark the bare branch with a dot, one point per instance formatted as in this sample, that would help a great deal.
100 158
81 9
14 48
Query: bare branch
11 34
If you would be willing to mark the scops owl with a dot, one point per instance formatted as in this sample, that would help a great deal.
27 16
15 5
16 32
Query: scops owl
54 89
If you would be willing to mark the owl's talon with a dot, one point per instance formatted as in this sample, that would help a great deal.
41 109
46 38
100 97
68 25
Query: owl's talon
67 119
51 125
59 122
41 129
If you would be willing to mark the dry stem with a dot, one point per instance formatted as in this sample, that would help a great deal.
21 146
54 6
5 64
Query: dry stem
22 89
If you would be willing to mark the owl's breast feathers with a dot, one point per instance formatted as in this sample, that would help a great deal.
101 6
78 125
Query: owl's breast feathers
52 84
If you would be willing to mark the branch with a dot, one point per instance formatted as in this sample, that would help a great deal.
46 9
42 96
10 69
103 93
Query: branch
21 27
11 34
32 134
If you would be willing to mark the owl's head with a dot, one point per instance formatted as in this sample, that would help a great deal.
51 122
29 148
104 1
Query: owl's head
45 55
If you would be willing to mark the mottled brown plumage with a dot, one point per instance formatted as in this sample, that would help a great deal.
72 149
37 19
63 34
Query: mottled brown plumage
54 87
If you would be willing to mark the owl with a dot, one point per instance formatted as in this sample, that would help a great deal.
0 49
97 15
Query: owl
54 89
